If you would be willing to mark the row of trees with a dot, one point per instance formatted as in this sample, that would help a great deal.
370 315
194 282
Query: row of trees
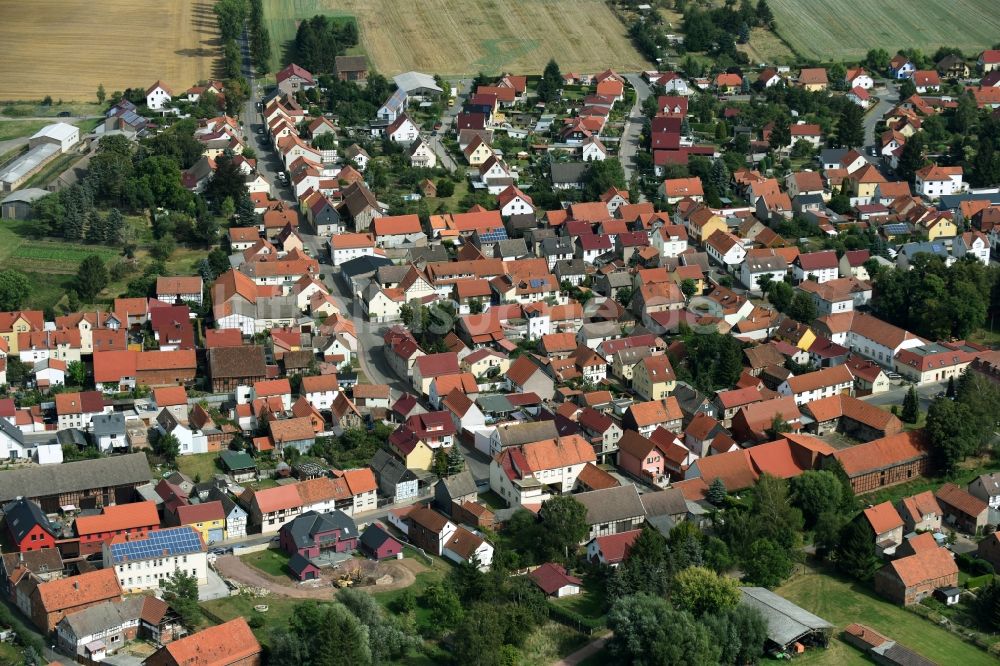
717 30
260 38
231 16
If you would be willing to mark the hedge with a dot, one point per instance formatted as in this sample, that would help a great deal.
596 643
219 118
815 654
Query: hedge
978 581
574 620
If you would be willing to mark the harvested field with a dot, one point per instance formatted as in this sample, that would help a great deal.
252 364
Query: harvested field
66 48
449 37
847 29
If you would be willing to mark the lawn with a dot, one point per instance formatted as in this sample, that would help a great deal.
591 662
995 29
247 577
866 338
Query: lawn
589 603
968 471
765 46
14 129
842 602
271 561
36 110
201 465
279 612
846 29
450 38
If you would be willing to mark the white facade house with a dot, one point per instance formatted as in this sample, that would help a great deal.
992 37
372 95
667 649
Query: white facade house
878 340
754 268
726 249
158 96
141 562
403 130
937 181
972 243
670 240
819 384
344 247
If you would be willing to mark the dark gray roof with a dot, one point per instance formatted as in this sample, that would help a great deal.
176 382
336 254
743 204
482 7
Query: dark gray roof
568 172
557 245
427 253
831 155
611 504
69 477
460 484
668 502
27 195
570 267
22 515
73 436
298 564
228 503
389 469
374 536
12 431
303 528
786 622
899 655
513 247
362 266
391 274
108 424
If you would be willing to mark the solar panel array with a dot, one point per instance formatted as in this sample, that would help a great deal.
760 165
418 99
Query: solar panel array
493 235
896 228
159 543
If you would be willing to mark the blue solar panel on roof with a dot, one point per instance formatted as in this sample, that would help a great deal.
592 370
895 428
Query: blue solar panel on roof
159 543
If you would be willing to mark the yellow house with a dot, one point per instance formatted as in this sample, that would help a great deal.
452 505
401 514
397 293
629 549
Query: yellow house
940 227
702 223
813 79
693 273
865 180
481 361
207 518
653 378
477 152
12 324
412 450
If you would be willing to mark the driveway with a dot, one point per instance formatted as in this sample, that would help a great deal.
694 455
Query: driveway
894 396
216 588
587 651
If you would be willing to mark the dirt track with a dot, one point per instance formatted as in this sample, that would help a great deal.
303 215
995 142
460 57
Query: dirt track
403 574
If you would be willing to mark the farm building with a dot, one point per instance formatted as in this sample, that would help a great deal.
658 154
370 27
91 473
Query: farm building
17 206
787 624
63 135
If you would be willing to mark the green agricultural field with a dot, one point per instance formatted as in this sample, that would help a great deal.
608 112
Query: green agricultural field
461 38
842 602
846 29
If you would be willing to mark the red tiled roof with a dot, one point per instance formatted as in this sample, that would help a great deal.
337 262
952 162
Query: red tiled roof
925 566
86 588
883 518
551 577
221 645
118 517
882 453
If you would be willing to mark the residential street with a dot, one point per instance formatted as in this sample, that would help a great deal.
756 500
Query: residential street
888 97
629 144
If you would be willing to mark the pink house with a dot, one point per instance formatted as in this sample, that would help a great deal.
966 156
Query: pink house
642 458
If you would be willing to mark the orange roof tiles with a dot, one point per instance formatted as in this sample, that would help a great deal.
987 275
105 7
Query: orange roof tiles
883 518
554 454
924 566
882 453
87 588
118 517
221 645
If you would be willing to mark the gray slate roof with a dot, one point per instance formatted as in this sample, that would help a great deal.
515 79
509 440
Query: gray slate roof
303 528
668 502
460 484
22 515
566 173
611 504
104 616
68 477
108 424
786 622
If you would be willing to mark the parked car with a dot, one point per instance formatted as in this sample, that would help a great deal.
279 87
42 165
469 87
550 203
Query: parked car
64 114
